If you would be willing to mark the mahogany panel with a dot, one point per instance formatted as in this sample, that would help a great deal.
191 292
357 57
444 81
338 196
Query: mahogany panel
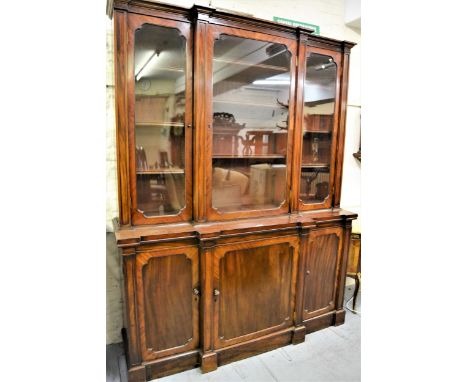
256 284
322 261
168 306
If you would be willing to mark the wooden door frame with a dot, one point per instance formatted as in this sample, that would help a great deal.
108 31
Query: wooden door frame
213 32
304 52
128 23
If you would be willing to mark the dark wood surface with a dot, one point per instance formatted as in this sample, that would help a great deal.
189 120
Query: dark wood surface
256 279
302 362
168 306
321 271
204 288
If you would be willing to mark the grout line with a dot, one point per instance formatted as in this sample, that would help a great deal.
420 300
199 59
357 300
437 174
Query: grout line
268 369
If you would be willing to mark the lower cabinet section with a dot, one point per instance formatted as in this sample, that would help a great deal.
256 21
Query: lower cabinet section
230 297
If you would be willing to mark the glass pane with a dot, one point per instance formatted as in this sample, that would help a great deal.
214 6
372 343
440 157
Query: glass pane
251 81
319 109
159 120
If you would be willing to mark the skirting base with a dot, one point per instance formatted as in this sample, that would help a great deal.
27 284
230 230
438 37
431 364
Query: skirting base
211 360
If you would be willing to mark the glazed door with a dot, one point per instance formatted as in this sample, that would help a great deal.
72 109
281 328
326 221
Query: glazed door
250 85
322 262
168 301
159 82
317 119
254 289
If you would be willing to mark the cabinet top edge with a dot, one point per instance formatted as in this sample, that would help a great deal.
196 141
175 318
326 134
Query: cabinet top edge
133 235
206 13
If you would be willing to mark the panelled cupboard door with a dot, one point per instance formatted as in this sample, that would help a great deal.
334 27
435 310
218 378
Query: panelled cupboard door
159 88
250 87
317 131
254 289
322 264
168 301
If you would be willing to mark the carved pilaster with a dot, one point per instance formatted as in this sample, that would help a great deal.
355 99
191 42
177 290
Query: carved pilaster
130 311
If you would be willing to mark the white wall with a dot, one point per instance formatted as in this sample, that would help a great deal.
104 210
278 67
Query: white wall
111 154
330 16
351 187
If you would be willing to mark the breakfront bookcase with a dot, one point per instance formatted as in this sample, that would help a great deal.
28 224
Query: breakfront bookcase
230 134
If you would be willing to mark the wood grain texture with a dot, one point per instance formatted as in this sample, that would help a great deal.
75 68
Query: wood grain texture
254 346
343 262
257 260
320 322
200 89
322 268
167 306
131 311
120 61
256 283
298 115
172 364
353 266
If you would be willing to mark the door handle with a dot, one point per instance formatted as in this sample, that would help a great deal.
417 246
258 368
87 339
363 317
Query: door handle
216 294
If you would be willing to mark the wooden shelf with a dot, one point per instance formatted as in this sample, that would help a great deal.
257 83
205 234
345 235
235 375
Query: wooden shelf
249 207
315 165
317 132
319 102
159 124
242 63
269 156
161 171
169 69
272 106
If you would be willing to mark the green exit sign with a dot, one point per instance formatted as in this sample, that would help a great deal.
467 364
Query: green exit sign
294 23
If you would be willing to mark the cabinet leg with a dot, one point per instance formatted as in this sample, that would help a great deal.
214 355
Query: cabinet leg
209 362
298 335
356 289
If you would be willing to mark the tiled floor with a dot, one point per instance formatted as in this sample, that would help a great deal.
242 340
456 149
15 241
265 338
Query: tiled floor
332 354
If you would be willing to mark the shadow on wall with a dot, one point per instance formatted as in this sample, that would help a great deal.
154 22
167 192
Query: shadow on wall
114 303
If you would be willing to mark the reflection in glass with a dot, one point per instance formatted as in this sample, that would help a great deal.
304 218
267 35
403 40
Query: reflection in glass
319 109
159 120
251 84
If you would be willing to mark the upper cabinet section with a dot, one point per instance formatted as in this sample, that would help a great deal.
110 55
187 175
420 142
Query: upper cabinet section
160 116
222 116
252 85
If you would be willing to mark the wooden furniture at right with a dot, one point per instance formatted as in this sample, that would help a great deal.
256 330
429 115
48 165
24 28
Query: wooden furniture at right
354 264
